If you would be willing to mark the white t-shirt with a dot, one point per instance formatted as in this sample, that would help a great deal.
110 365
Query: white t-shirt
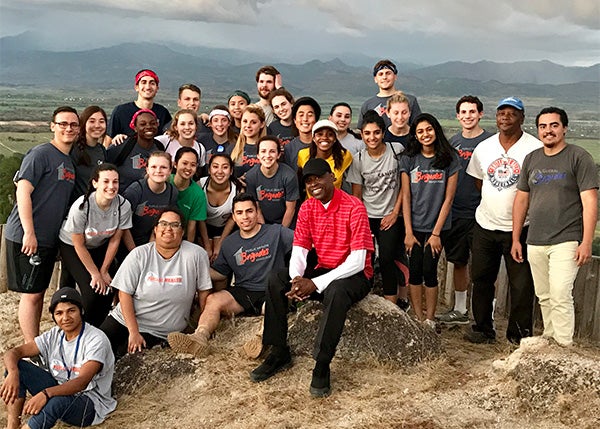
163 289
172 146
218 216
500 171
93 346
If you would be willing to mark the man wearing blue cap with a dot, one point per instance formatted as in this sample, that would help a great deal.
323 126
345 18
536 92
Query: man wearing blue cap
496 166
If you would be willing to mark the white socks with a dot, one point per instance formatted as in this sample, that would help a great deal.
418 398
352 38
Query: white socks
460 301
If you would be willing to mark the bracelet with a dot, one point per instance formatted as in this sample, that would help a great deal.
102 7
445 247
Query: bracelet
435 235
46 395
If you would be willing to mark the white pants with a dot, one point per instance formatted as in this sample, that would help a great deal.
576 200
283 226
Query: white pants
554 270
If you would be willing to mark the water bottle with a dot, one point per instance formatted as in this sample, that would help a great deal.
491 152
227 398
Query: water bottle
35 260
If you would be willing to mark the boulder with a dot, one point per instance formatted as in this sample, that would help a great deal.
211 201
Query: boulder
554 379
135 373
375 329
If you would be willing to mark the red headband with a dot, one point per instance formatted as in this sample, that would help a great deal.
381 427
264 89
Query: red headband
146 73
138 113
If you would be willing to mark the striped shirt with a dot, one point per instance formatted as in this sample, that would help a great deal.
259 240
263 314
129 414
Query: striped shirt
335 231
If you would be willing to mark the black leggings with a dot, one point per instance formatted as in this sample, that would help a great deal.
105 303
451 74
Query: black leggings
391 253
95 306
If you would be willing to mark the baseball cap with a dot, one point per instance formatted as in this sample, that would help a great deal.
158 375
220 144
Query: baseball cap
315 167
324 123
66 294
512 102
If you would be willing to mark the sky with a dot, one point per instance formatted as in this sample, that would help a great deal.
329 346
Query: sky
423 32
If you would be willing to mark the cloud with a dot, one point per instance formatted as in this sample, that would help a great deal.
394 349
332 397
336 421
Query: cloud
223 11
426 31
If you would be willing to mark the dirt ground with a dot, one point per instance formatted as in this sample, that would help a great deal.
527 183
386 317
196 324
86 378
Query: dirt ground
459 390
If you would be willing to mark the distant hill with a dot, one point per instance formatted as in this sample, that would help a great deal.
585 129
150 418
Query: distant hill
536 72
22 62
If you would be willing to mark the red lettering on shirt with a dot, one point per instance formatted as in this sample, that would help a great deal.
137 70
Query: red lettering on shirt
253 256
266 195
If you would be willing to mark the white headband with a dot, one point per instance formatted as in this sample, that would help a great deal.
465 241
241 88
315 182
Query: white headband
216 112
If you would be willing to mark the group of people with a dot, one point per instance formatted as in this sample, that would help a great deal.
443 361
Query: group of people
256 206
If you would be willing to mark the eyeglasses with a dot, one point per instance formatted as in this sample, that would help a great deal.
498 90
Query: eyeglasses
64 125
172 225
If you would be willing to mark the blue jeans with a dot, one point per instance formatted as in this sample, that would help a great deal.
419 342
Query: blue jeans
77 410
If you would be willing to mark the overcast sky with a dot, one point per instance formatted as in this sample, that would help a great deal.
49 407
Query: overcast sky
422 31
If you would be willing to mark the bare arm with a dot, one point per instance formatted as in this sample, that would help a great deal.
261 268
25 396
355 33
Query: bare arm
410 239
357 190
478 183
519 213
390 219
128 240
202 295
288 216
589 200
24 190
191 231
111 252
70 387
97 283
219 280
136 341
10 387
434 239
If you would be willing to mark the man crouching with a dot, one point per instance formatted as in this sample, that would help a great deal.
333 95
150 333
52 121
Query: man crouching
76 387
249 254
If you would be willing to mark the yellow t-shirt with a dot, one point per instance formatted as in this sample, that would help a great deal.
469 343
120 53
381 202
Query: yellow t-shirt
304 155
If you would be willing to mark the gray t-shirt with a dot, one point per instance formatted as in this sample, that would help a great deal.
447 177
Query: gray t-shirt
427 190
52 175
134 166
252 260
163 289
554 184
282 132
379 178
97 225
379 104
146 207
61 355
272 193
467 196
290 152
352 144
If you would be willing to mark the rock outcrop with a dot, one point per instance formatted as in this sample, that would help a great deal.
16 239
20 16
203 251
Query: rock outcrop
375 329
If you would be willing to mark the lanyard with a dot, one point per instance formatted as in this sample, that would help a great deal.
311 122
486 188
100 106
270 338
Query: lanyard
76 351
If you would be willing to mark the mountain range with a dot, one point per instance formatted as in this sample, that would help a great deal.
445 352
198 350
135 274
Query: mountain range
24 62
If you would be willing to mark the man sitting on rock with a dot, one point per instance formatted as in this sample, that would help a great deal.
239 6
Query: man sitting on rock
76 386
337 226
250 255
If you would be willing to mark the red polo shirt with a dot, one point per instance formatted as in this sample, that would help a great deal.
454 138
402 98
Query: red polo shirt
335 231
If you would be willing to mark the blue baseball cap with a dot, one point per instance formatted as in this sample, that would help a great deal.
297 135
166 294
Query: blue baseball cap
512 102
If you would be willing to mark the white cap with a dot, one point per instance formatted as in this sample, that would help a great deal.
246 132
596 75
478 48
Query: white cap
324 123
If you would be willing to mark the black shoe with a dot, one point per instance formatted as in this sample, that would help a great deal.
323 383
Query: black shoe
320 386
404 304
277 360
478 337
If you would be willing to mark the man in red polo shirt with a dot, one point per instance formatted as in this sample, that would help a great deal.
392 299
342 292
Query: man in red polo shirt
337 226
